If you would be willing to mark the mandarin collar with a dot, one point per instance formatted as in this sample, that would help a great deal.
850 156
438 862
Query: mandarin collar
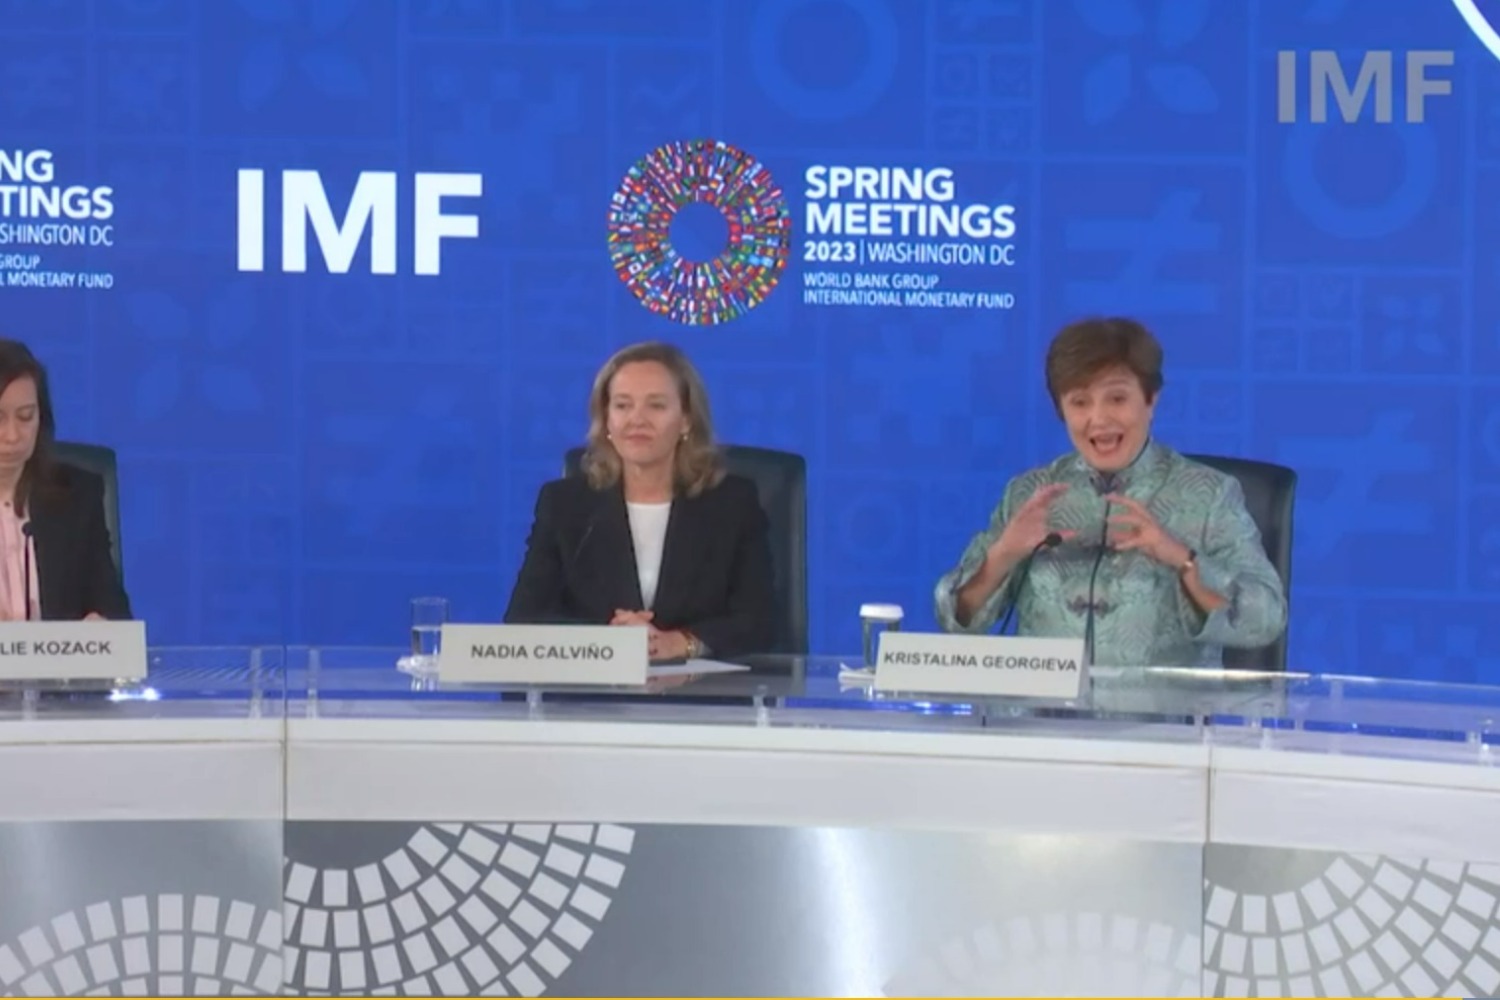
1140 468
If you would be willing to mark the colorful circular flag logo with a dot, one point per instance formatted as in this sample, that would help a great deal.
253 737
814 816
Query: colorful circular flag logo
709 173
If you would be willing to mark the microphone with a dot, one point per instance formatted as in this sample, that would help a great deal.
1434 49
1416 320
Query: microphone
1052 540
26 565
1105 483
588 531
566 612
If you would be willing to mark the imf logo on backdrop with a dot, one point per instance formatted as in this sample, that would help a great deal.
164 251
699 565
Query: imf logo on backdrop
1368 91
699 232
1362 91
373 209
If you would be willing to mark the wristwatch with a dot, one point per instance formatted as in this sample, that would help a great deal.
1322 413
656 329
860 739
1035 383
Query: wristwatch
1189 562
694 646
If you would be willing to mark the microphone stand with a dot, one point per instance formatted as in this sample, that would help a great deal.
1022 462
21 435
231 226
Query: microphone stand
26 538
1104 485
1052 540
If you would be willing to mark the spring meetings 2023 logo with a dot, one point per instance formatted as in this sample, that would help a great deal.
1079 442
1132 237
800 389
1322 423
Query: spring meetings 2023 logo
692 285
51 224
701 233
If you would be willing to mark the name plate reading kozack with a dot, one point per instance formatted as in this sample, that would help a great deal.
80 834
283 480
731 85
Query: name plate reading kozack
1000 666
543 654
72 651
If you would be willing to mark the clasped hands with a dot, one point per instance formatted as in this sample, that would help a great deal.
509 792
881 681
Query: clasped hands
660 645
1133 529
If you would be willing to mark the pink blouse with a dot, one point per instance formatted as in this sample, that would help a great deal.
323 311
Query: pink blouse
13 562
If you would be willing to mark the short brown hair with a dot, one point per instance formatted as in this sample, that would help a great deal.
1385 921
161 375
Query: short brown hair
697 464
1082 350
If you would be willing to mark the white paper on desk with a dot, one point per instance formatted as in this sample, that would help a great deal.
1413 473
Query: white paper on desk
852 677
694 667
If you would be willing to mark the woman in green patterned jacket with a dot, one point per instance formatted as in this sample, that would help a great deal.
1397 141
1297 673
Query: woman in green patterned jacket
1149 557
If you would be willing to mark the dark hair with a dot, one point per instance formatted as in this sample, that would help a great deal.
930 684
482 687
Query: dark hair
697 463
1082 350
17 361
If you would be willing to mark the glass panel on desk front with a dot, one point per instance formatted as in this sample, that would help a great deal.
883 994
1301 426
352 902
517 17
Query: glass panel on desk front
180 682
766 690
1377 708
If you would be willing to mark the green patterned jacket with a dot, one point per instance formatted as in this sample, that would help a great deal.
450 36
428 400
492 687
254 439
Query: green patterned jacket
1142 614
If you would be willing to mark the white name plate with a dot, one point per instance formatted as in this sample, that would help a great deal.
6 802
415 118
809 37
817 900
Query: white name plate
543 654
984 665
72 651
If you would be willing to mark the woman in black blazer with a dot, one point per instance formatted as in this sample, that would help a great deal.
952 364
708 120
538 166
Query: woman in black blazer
654 531
55 558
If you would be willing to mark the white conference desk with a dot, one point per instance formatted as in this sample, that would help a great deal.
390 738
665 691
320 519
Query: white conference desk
760 834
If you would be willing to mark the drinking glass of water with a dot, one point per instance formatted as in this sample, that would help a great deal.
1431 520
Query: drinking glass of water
427 617
873 620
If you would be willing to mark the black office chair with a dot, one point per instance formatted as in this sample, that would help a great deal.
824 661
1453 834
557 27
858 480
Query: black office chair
781 479
101 462
1270 495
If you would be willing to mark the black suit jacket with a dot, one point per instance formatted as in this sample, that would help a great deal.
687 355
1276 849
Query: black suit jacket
75 573
715 581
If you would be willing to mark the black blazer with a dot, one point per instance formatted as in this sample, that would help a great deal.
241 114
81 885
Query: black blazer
716 578
75 573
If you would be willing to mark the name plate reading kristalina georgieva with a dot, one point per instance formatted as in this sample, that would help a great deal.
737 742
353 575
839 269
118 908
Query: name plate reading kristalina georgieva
984 665
72 651
543 654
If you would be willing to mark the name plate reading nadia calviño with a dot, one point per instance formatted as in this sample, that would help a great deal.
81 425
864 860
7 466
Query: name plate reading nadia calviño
72 651
543 654
999 666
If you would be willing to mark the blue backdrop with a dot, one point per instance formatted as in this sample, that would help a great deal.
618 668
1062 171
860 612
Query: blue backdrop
304 451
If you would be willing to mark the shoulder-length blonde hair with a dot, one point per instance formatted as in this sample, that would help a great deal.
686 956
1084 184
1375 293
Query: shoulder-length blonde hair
697 463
